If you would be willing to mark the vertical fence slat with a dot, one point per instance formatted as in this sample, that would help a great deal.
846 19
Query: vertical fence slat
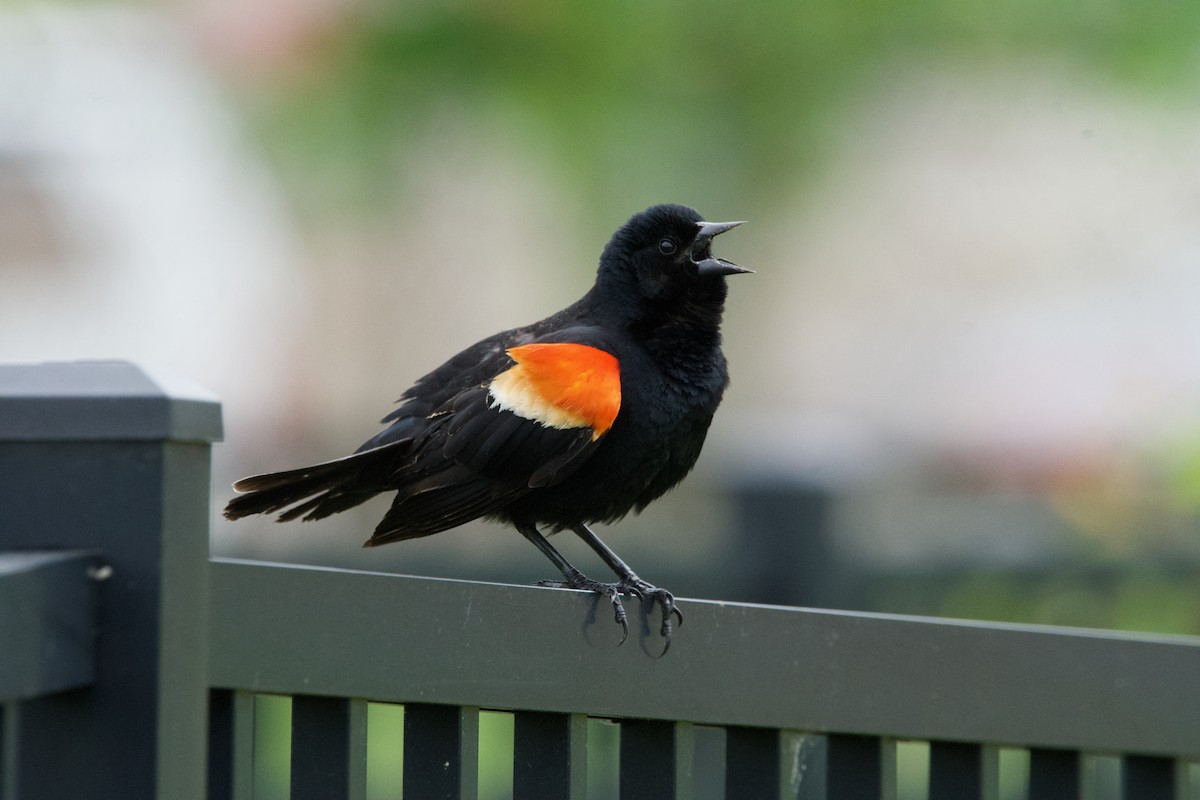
1055 774
656 760
549 756
230 745
963 771
754 764
441 752
1148 778
329 748
859 767
685 760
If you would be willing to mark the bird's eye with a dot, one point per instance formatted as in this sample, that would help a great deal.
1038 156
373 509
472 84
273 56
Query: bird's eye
666 247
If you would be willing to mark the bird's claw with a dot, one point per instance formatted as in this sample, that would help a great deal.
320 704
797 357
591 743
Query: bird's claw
634 586
610 590
661 597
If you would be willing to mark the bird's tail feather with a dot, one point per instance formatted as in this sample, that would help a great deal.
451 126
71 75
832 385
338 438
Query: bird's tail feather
324 488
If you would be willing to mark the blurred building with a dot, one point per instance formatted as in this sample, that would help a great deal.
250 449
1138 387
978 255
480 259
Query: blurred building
136 221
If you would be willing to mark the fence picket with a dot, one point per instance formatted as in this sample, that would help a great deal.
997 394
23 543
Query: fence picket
961 771
1054 774
329 748
656 760
859 767
549 756
753 763
1148 778
441 752
230 745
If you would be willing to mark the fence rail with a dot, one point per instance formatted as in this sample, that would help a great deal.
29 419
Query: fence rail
404 639
146 684
48 621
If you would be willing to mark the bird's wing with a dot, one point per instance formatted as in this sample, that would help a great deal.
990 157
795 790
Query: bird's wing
541 410
434 392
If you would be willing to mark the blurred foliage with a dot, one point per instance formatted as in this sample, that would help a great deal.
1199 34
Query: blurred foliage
1155 598
1182 459
625 103
670 99
272 746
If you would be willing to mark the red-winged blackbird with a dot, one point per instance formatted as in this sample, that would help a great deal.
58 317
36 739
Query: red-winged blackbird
594 411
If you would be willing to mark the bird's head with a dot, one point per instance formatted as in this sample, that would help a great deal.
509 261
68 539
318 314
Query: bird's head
666 250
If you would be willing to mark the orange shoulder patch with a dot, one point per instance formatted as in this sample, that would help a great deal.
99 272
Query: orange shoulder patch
561 385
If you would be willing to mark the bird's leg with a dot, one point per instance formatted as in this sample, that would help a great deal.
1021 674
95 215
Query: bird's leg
574 579
630 582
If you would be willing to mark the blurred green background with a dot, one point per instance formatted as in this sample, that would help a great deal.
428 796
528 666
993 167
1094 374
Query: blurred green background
966 373
623 103
792 115
970 349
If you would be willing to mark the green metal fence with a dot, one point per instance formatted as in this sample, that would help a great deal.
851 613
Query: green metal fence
132 665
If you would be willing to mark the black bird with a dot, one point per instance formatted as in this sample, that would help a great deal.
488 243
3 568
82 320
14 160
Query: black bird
577 419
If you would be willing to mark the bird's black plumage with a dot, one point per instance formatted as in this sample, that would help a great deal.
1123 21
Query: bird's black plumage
579 418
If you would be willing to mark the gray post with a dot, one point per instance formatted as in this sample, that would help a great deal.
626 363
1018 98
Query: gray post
99 456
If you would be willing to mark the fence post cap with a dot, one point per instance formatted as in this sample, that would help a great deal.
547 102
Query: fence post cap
103 400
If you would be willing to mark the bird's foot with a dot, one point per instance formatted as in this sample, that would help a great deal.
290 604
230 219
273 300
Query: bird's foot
664 599
632 585
610 590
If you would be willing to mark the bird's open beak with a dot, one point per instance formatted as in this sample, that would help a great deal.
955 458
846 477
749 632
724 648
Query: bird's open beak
702 257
